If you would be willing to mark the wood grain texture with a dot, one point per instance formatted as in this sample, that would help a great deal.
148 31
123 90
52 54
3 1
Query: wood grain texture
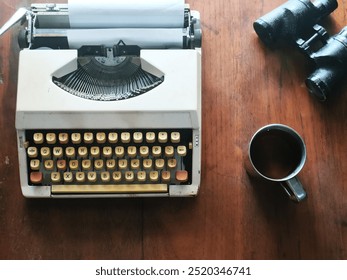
245 86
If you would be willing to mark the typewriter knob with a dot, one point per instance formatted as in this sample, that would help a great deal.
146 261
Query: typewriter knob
22 39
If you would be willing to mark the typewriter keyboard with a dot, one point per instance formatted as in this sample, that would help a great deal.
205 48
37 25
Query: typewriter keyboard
109 161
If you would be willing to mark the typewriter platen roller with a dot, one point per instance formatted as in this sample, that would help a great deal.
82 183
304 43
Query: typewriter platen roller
104 68
154 24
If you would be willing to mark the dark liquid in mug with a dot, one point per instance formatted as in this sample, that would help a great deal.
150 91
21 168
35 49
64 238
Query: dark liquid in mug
276 153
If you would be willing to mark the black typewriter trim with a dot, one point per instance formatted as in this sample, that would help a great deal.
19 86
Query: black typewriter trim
56 43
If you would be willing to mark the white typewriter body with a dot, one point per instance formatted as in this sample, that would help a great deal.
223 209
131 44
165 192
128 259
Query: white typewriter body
109 99
176 103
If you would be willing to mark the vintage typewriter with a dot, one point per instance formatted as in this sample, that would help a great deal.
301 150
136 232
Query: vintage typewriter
109 99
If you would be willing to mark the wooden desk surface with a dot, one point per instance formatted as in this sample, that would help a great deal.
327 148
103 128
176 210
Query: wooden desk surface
245 86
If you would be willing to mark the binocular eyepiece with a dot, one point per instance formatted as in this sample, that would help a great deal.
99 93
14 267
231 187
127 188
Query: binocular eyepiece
295 23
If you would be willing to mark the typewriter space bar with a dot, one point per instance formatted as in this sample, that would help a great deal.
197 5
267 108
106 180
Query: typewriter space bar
104 189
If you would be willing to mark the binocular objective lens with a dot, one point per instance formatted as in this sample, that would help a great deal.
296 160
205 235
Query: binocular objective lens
264 31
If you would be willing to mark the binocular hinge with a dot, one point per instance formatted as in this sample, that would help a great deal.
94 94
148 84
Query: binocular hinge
309 46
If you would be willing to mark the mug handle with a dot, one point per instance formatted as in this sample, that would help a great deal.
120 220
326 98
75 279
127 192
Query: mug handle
294 189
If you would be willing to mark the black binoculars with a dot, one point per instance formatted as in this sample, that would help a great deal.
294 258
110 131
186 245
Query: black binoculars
295 23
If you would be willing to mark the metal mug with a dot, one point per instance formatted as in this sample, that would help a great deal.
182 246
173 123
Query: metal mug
277 153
